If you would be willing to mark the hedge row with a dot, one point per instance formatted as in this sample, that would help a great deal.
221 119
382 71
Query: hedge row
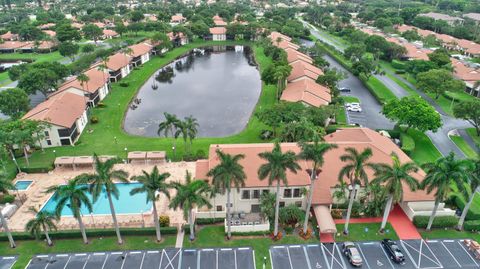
250 233
472 225
205 221
438 222
95 233
398 64
408 143
472 214
33 170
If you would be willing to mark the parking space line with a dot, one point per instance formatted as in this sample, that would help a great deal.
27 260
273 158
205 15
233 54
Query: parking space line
408 253
216 259
69 257
386 255
199 253
469 255
270 253
153 251
307 257
235 255
420 254
86 261
439 263
289 258
253 257
104 261
80 254
143 258
161 260
363 255
451 254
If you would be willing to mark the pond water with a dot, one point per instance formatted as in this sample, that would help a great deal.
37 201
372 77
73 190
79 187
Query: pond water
219 86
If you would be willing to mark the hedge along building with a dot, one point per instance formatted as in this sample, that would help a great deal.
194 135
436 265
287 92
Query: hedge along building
247 201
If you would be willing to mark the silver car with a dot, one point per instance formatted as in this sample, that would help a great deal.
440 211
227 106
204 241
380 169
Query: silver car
353 255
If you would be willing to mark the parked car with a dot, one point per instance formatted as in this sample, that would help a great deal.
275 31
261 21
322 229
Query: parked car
344 89
352 104
393 251
353 255
354 108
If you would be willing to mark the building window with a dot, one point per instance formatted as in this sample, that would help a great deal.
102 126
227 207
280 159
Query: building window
219 208
287 193
298 203
282 204
255 209
49 142
245 194
265 191
296 193
46 134
256 194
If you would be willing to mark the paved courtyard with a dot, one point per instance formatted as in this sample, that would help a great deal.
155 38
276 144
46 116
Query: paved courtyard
36 197
420 254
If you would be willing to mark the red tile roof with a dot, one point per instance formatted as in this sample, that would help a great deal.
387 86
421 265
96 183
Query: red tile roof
293 55
218 30
118 61
140 49
307 91
97 79
303 69
109 33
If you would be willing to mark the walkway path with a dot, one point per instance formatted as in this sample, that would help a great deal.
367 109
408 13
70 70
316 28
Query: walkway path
402 225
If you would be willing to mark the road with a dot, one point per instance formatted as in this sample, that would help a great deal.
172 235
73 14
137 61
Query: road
440 138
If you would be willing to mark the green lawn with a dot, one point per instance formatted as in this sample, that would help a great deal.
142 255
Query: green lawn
449 233
350 99
473 134
37 57
379 90
28 248
101 137
364 232
424 151
463 146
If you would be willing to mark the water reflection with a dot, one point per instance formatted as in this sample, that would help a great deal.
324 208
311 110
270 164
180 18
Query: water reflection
219 86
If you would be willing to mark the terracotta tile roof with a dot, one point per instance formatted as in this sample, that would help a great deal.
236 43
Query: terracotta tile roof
46 26
99 24
77 25
50 33
140 49
285 44
216 18
46 44
109 33
293 55
218 30
62 110
465 73
118 61
307 91
97 79
12 45
440 16
9 36
219 23
274 35
177 18
359 138
171 36
416 53
303 69
473 16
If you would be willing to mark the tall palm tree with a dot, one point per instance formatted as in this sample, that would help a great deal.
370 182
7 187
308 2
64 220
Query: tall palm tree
393 178
441 174
192 193
314 153
167 126
181 130
84 79
153 184
474 184
4 223
72 195
227 173
101 182
6 185
281 73
355 172
43 220
191 125
276 170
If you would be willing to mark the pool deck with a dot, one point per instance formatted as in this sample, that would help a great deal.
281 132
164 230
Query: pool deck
36 197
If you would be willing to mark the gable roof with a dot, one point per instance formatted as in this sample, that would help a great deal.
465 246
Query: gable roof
275 35
218 30
307 91
97 79
118 61
304 69
140 49
109 33
293 55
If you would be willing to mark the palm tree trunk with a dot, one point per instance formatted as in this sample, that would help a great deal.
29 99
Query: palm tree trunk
434 212
157 223
229 229
49 241
277 209
466 208
82 229
349 211
386 212
7 230
309 202
26 155
114 217
192 228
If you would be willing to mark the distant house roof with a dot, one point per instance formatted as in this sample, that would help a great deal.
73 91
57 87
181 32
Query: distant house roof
46 26
218 30
293 55
465 73
9 36
177 18
219 23
77 25
140 49
304 69
61 110
416 53
50 33
97 79
109 33
285 44
118 61
275 35
173 36
473 16
216 18
307 91
99 24
8 45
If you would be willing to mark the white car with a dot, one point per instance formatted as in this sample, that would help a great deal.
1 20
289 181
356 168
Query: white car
354 108
352 104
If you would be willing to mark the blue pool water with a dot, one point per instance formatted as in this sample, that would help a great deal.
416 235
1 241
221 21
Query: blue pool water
126 204
22 185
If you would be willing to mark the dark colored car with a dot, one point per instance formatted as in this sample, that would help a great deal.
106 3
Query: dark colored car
344 89
353 255
393 251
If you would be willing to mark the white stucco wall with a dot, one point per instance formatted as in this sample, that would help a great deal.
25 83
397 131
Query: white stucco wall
219 37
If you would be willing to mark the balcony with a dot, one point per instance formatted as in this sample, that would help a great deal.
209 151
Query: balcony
248 222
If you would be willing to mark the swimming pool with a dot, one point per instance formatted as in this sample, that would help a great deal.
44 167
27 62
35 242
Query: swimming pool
23 185
126 203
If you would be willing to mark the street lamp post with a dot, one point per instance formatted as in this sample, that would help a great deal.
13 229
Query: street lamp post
16 164
126 155
174 153
55 153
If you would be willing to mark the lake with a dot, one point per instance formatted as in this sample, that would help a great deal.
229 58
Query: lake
219 86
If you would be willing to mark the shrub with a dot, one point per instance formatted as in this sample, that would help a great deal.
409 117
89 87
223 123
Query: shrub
201 154
408 144
206 221
288 230
257 233
189 157
337 213
101 104
33 170
472 214
7 198
398 64
400 72
472 225
94 120
438 222
266 134
164 221
124 84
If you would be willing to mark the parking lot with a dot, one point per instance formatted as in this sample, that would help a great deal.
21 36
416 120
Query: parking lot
6 262
419 254
213 258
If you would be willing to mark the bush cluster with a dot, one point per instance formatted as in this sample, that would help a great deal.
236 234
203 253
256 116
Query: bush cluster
472 225
408 143
438 222
206 221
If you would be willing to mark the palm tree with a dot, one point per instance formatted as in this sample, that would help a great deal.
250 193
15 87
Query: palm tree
84 79
191 125
127 52
393 177
441 174
193 193
227 173
276 170
474 182
181 129
43 220
4 223
167 126
73 196
355 172
101 182
153 184
314 153
281 74
5 184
